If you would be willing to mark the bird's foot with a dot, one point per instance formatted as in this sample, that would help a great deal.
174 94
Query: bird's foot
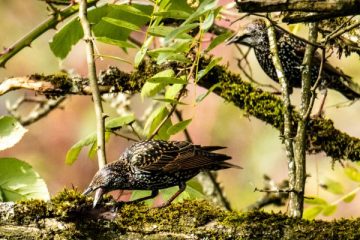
117 205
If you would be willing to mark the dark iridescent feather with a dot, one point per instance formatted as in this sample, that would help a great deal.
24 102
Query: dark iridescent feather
156 164
291 53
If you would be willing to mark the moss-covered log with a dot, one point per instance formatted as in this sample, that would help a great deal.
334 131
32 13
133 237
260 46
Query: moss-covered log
70 216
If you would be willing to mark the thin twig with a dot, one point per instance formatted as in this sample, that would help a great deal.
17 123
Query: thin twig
125 137
316 85
100 128
42 109
134 131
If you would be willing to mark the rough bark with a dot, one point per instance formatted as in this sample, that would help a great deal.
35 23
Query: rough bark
70 216
310 10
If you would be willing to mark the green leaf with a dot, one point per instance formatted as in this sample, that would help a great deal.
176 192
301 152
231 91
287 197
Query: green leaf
118 122
63 41
352 173
218 40
209 20
106 29
11 132
349 198
131 9
175 14
334 187
169 100
167 80
122 23
212 64
163 31
122 44
204 7
329 210
19 181
154 120
150 89
315 201
173 90
180 30
203 96
71 33
93 149
312 212
141 53
178 127
75 150
178 57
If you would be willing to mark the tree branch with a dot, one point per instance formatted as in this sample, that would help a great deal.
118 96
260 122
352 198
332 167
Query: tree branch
323 136
48 24
297 205
100 118
316 10
288 125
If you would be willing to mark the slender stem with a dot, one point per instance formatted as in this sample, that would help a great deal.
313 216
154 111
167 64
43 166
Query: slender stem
285 92
48 24
301 136
100 119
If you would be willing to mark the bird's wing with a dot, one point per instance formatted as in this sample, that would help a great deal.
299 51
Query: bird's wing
173 156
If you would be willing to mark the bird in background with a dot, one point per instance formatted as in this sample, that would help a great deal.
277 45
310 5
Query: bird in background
291 52
156 164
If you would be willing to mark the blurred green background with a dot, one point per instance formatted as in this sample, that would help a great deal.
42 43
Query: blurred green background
252 144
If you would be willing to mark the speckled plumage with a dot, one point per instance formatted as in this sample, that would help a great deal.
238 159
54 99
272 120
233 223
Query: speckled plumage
291 53
156 164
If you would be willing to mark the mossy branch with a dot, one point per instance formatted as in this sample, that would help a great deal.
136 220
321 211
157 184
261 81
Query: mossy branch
322 135
70 216
48 24
310 11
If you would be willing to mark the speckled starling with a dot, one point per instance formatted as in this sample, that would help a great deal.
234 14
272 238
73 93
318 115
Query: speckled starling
155 164
291 53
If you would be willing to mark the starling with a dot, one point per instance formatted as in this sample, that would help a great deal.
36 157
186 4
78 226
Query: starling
291 53
155 164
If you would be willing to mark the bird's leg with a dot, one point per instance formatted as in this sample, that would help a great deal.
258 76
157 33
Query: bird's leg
182 187
153 194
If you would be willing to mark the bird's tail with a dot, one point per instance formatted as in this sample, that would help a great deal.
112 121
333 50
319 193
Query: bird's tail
339 81
346 86
218 160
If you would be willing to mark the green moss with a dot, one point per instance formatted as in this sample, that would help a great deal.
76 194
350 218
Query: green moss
197 218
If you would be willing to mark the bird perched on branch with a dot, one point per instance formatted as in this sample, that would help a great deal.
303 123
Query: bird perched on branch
155 164
291 53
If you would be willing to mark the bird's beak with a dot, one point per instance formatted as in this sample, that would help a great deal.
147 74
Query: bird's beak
98 196
240 39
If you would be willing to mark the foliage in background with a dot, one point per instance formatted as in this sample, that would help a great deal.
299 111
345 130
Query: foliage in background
18 180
